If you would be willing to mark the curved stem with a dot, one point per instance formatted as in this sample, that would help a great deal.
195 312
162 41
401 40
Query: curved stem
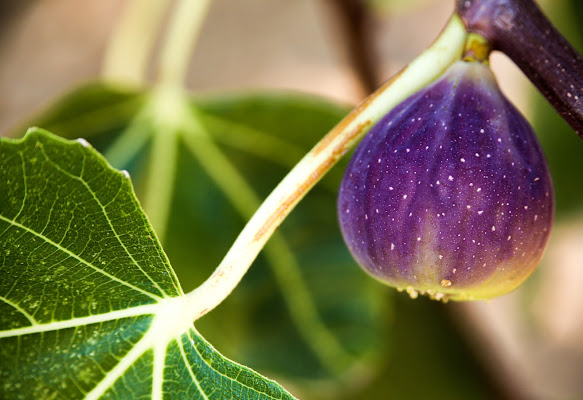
128 52
430 65
280 257
520 30
185 25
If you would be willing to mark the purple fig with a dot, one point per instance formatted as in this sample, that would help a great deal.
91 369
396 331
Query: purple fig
449 194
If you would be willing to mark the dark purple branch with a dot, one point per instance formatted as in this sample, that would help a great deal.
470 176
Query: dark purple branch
520 30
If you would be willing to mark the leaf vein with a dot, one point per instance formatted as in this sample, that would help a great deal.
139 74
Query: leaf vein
76 257
190 370
24 184
231 380
106 215
20 310
148 309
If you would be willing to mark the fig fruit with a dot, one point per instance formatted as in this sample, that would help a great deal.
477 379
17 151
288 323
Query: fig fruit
449 194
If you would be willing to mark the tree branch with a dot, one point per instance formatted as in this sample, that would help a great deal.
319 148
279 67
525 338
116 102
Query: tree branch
519 29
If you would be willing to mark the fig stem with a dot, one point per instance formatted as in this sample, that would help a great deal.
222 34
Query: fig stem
431 64
519 29
477 49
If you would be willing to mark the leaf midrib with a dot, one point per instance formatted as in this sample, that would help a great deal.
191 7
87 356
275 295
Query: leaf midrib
137 311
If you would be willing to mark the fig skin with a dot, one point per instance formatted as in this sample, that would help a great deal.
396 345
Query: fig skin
449 194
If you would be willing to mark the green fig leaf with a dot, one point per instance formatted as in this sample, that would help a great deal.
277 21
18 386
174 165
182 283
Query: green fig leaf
89 304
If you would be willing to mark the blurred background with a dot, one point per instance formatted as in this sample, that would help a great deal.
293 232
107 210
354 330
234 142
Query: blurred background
525 345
